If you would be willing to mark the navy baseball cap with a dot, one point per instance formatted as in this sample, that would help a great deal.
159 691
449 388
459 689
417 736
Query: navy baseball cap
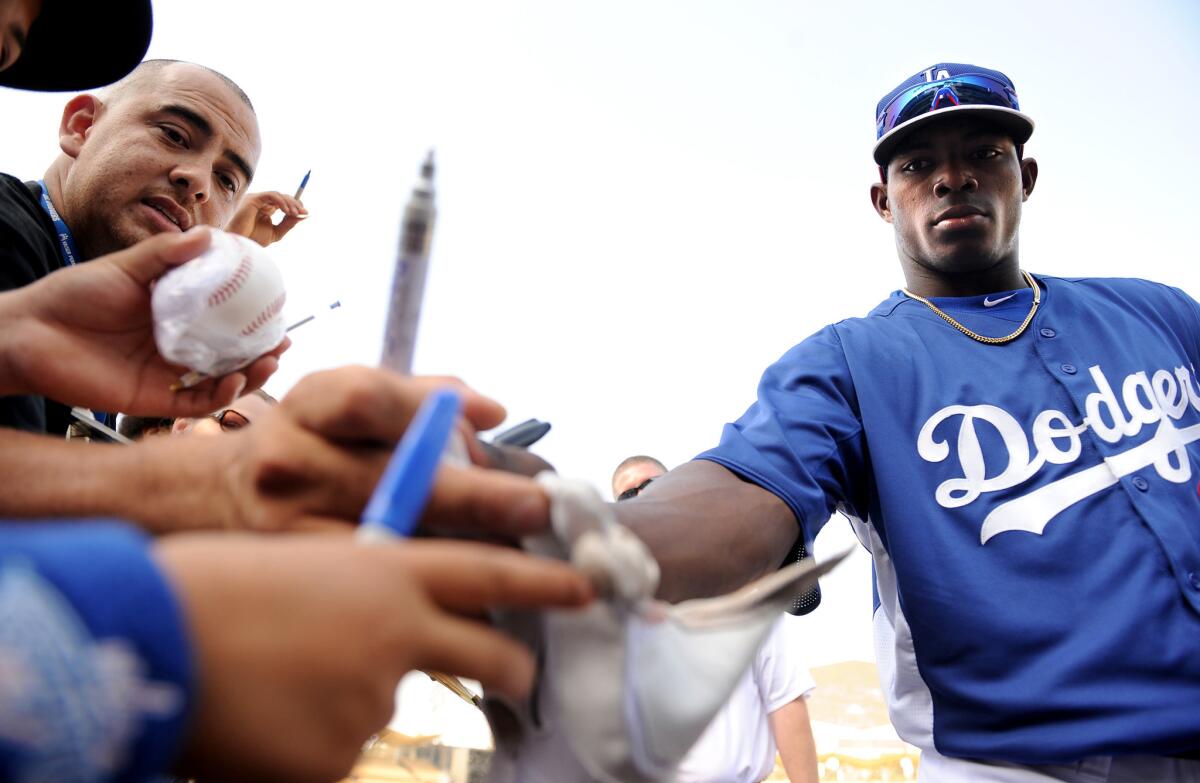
943 88
81 44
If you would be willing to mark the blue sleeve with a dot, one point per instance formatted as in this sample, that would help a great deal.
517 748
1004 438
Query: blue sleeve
802 438
95 668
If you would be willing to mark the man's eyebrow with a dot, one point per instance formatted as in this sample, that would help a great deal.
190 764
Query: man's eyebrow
190 117
201 124
241 163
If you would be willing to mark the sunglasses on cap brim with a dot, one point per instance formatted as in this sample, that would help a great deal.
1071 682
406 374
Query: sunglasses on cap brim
969 90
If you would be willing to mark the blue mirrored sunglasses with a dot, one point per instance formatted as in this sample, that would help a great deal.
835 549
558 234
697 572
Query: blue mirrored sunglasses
958 91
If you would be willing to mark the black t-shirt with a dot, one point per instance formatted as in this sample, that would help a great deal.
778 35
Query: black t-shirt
28 252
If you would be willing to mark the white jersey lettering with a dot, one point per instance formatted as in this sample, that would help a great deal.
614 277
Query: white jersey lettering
1159 399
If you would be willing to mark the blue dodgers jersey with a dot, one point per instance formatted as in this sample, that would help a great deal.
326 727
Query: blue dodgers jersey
1031 509
96 669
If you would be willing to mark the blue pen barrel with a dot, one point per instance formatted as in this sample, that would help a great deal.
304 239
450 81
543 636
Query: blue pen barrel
401 495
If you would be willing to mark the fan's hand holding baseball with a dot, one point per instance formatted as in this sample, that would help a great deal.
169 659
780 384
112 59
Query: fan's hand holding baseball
84 336
300 641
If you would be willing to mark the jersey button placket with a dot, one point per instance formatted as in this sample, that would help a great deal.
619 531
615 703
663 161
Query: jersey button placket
1047 332
1140 484
1069 369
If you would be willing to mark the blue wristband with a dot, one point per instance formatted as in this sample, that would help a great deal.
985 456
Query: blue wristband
99 642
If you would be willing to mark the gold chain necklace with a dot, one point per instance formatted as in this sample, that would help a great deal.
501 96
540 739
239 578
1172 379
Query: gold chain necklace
1037 298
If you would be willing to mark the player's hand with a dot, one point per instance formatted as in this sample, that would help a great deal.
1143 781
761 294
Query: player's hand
255 217
300 641
84 335
312 462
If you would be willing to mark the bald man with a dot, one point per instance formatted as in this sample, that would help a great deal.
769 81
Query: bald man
634 474
166 151
170 147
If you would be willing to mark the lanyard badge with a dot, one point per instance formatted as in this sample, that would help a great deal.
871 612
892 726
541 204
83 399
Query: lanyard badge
66 242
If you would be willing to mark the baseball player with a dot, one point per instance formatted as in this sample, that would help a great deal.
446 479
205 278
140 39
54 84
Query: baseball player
1018 452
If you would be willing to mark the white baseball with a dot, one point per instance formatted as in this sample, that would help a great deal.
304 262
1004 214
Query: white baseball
222 309
248 296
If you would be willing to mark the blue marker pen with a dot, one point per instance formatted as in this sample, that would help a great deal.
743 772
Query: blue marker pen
400 496
303 183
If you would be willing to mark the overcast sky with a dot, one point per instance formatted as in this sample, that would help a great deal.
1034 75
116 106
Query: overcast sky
643 204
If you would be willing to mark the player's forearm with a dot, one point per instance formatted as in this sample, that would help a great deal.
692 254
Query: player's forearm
710 531
162 486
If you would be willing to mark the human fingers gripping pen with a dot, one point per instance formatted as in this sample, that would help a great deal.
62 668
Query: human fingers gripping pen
400 496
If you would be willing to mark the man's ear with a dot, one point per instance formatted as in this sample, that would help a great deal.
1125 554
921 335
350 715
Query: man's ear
79 115
1029 173
879 200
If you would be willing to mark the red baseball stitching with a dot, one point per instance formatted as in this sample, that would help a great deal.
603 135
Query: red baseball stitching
266 315
231 286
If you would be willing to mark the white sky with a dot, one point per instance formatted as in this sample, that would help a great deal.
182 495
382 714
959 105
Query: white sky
643 204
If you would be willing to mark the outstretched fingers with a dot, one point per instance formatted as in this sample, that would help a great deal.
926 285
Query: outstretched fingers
469 649
464 576
488 502
368 404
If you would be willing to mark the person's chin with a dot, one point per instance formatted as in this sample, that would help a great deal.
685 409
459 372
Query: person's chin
964 258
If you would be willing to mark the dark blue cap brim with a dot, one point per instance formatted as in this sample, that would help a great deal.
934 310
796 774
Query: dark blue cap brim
1018 125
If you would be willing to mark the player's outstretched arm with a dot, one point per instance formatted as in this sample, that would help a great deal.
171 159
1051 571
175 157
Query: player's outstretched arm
254 218
84 335
300 641
710 531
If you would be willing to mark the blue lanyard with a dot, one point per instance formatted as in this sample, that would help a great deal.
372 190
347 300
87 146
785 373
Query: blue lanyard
66 242
70 253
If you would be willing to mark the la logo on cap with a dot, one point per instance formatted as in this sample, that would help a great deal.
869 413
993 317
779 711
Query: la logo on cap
942 73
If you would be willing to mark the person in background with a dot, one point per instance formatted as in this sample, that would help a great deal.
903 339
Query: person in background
238 414
634 474
138 427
